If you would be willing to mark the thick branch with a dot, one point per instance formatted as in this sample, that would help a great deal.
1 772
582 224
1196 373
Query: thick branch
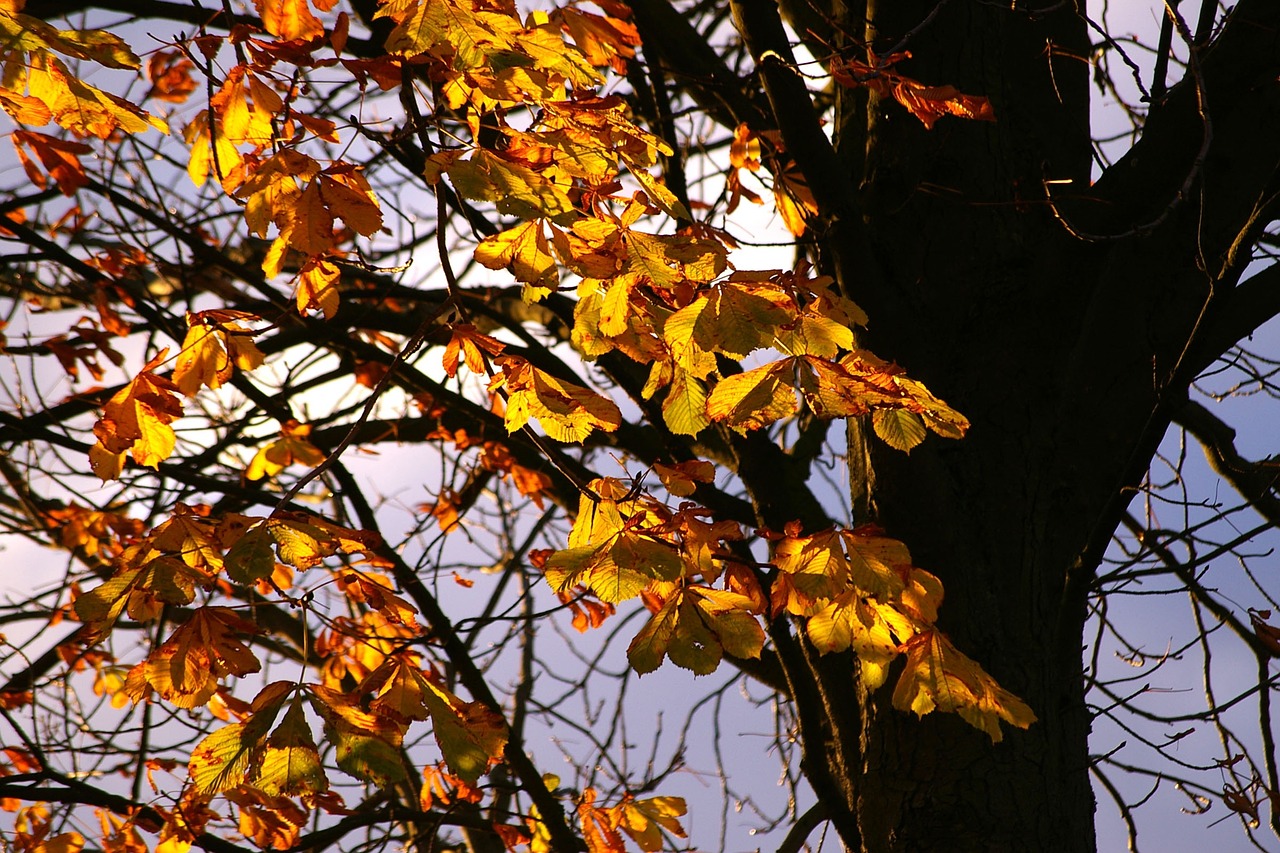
1255 481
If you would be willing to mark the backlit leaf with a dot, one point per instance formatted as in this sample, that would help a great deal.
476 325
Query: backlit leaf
137 419
756 398
938 676
290 763
899 428
565 411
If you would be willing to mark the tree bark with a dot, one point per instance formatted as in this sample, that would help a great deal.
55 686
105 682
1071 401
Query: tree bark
1067 351
979 297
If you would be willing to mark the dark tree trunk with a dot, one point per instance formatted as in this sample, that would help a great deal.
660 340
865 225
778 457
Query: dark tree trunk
982 295
1068 354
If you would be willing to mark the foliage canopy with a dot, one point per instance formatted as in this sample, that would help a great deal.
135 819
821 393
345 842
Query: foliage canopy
355 349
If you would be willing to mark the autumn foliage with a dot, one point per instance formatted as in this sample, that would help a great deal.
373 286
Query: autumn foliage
529 146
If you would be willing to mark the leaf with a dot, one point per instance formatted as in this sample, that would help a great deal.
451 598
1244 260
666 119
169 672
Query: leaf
170 74
565 411
470 735
645 819
102 605
682 478
470 347
366 745
756 398
137 419
81 108
873 631
348 196
225 758
524 251
695 627
661 196
318 288
516 189
731 320
927 103
185 670
899 428
617 570
215 344
877 563
290 764
60 158
939 676
810 568
684 409
609 551
598 829
289 19
293 447
252 557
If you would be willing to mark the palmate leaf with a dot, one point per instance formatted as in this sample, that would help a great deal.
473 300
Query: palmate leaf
939 676
695 627
616 570
756 398
565 411
290 764
225 758
645 819
525 251
137 420
215 345
850 621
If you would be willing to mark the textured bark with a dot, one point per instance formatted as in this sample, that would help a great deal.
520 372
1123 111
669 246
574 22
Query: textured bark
1067 353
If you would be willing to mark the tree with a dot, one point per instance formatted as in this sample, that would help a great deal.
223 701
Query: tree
265 638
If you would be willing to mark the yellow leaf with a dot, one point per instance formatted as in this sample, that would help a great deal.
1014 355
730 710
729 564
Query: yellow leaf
470 347
661 196
293 447
565 411
66 842
645 819
515 189
290 764
682 478
185 670
137 419
203 157
756 398
873 632
939 676
225 758
695 627
309 227
82 108
245 122
877 563
289 19
348 197
318 288
524 251
215 343
899 428
684 410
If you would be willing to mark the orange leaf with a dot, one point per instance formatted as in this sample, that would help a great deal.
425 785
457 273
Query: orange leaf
215 343
60 158
137 419
469 346
293 447
170 75
289 19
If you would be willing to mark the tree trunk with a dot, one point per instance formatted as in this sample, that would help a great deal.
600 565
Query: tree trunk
979 296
